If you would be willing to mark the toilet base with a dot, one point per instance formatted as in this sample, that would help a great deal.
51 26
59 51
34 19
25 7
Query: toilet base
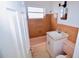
61 56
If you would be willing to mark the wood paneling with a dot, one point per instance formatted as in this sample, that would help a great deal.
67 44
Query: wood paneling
53 23
72 31
39 27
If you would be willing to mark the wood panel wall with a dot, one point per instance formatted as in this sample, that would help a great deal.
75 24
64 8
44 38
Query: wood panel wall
72 31
39 27
53 23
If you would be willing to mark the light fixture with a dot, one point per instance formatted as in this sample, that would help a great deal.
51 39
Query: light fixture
64 10
64 5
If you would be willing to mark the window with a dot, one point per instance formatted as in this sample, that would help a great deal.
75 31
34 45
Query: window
34 12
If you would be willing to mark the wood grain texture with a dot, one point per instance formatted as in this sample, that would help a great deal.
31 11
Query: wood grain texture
39 48
40 51
72 31
39 27
53 23
37 40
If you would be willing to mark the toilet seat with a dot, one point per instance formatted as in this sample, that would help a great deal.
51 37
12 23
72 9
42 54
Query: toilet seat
61 56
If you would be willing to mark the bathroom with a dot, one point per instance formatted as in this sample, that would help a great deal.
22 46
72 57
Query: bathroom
39 27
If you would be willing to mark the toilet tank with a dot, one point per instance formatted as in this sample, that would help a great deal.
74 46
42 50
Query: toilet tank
55 42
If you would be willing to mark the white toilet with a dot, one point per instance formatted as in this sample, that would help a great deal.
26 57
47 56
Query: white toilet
68 49
61 56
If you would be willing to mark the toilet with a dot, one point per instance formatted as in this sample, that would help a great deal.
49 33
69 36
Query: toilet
68 49
61 56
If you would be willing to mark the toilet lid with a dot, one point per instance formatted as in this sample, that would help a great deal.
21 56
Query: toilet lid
61 56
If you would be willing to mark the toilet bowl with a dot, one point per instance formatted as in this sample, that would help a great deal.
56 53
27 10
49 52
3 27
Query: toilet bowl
61 56
68 49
